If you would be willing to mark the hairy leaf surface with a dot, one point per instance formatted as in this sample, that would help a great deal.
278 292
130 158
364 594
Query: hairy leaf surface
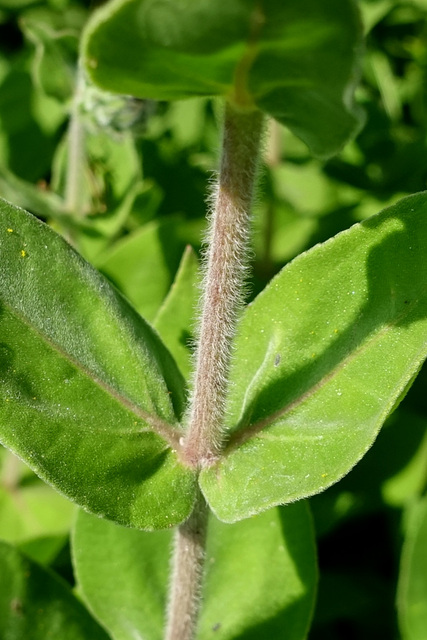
87 386
322 357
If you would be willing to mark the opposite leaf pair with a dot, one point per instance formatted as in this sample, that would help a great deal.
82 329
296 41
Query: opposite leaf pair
92 398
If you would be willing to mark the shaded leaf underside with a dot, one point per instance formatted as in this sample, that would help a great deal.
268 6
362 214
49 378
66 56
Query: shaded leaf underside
294 60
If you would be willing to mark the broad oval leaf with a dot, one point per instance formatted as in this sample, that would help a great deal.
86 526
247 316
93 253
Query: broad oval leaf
36 605
322 356
412 588
260 577
87 386
295 60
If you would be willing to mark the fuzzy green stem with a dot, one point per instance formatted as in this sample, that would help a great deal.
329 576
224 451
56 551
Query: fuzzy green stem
223 284
222 299
187 575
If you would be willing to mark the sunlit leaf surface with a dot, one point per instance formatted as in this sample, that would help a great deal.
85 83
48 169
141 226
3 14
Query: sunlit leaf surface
87 385
322 357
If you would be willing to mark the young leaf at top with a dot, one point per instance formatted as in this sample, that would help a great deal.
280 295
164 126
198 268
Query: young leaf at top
295 60
123 575
90 396
322 356
36 605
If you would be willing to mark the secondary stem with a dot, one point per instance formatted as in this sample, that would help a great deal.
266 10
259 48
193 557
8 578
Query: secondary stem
223 284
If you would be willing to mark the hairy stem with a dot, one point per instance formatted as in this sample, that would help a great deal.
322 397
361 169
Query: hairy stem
222 299
188 561
223 284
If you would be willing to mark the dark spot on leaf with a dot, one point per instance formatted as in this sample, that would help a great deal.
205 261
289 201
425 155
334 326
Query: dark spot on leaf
216 627
277 360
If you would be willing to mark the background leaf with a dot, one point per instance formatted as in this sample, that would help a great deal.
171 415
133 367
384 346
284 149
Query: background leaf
322 357
412 591
36 605
175 319
84 381
143 265
294 60
55 36
28 507
241 600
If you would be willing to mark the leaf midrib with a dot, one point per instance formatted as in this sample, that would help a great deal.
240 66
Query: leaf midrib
162 428
241 436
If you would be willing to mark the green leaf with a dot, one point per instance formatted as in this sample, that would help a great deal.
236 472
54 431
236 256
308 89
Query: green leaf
26 144
143 264
260 580
110 180
122 574
175 318
187 121
55 36
392 474
36 605
322 357
262 577
295 60
28 506
412 589
29 195
46 549
87 385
